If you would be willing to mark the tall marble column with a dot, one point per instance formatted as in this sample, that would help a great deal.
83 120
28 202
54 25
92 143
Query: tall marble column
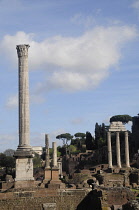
23 154
118 154
24 130
47 163
126 150
54 164
109 150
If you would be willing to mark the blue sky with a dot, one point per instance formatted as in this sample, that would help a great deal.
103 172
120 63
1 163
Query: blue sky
83 65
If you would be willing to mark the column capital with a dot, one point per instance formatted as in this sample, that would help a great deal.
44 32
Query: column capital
22 50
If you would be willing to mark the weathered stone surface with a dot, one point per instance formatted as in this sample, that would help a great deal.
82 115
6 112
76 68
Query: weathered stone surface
23 154
24 169
49 206
117 126
34 200
54 154
24 134
47 163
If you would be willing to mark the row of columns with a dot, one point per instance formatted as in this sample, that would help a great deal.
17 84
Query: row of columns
47 157
118 155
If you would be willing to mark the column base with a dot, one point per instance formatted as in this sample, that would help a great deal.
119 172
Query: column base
47 175
23 152
55 182
24 170
24 184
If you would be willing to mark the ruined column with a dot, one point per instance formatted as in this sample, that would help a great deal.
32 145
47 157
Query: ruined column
126 150
47 163
24 130
23 154
60 168
47 171
109 150
54 154
55 182
118 150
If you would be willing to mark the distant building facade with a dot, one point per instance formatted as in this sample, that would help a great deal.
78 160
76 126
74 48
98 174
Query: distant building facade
38 150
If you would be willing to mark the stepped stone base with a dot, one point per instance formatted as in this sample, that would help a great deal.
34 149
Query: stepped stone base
24 184
56 185
24 172
47 175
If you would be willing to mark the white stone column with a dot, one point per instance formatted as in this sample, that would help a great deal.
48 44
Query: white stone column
118 154
109 150
54 154
24 130
24 154
126 150
47 163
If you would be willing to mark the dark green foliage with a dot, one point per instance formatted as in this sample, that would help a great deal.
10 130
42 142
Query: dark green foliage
79 141
122 118
65 137
9 152
7 161
89 141
36 160
100 135
80 135
62 150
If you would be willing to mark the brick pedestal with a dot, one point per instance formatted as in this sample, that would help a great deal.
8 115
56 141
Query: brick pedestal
47 175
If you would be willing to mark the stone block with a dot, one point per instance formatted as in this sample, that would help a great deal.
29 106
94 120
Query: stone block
47 175
49 206
55 174
24 184
24 169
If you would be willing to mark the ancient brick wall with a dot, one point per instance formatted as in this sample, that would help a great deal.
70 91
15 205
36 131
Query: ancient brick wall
35 199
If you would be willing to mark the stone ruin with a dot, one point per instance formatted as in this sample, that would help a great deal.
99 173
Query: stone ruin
51 193
117 127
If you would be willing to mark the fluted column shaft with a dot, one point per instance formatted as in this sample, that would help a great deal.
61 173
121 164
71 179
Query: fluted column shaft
118 150
109 150
54 154
24 130
47 163
126 150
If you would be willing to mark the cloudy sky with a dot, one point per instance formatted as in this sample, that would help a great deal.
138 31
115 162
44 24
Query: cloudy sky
83 65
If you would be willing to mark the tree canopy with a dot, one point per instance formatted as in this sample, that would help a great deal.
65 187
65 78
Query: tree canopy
80 135
89 141
65 137
7 161
9 152
122 118
100 135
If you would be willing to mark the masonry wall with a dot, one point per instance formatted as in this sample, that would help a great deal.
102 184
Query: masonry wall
34 199
77 199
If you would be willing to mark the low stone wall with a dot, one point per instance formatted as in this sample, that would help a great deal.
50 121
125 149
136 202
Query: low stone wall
36 199
68 199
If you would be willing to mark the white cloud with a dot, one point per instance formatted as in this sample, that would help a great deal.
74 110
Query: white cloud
80 19
77 121
136 4
8 141
12 102
73 63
